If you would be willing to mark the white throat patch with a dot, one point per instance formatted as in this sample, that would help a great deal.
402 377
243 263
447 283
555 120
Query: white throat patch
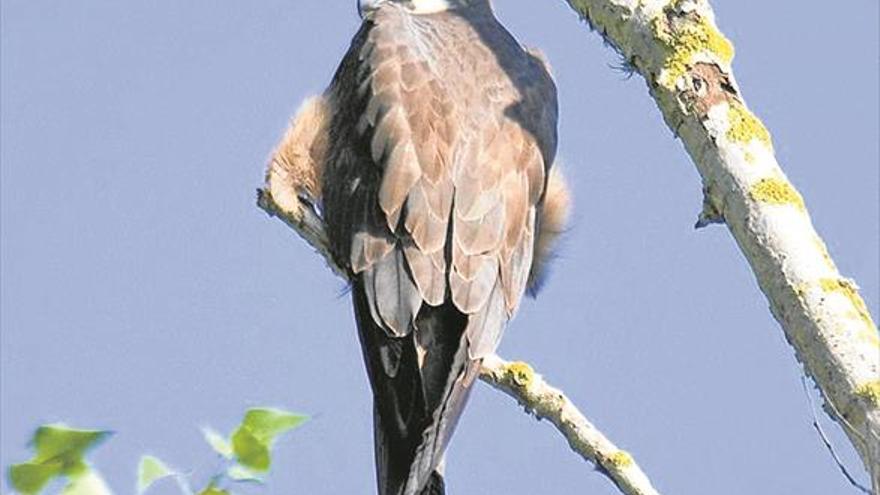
416 7
430 6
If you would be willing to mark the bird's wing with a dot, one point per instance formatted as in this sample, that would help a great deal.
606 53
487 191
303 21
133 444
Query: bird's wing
388 195
396 127
499 178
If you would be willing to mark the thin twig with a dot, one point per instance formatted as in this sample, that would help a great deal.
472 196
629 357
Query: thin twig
520 381
827 441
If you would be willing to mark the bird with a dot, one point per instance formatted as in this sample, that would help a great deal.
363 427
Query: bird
430 157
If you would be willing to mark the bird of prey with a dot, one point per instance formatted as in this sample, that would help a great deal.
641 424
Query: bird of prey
429 156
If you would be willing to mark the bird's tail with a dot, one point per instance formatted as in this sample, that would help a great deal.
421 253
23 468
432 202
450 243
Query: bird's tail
435 485
420 383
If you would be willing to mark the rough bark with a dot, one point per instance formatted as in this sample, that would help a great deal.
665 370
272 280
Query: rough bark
686 62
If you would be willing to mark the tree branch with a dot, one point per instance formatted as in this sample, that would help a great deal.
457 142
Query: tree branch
686 61
520 381
279 198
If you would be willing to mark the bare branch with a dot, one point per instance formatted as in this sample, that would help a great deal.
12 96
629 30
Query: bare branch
827 442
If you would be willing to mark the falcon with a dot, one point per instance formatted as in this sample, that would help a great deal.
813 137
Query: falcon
429 156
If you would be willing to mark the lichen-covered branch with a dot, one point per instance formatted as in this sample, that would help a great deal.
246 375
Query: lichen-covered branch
280 198
520 381
686 61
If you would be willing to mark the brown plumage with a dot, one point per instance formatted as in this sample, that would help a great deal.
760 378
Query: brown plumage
297 164
430 152
553 219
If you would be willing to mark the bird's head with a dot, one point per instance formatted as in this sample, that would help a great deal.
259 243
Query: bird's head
417 6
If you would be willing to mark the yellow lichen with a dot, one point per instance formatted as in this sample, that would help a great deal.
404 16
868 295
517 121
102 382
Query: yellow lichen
778 192
820 245
621 459
521 373
744 126
683 37
871 338
866 333
849 290
871 392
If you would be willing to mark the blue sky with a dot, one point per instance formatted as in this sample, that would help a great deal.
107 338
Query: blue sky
142 291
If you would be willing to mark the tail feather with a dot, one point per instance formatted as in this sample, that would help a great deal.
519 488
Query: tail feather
421 382
435 485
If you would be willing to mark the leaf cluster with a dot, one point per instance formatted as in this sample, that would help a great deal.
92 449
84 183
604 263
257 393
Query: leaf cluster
60 453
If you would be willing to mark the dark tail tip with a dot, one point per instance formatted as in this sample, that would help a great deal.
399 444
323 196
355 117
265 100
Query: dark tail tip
435 485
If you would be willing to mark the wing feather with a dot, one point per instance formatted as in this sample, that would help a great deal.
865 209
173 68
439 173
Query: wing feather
429 273
394 295
485 327
472 281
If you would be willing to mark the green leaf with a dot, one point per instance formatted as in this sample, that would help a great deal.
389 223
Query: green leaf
87 483
266 424
213 490
59 443
257 432
237 472
249 451
30 477
151 470
217 442
59 451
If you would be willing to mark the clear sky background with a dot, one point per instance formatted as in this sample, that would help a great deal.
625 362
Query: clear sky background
144 292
